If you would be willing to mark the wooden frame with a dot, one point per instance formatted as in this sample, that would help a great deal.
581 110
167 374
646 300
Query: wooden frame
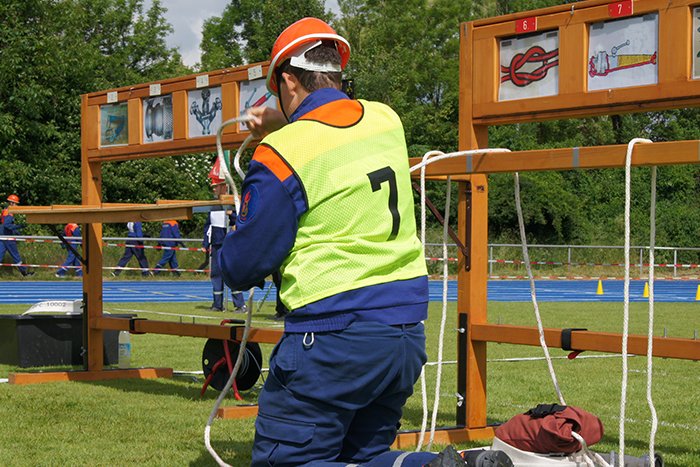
480 108
92 213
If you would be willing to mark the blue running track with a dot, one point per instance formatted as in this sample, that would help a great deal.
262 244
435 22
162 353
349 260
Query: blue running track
201 291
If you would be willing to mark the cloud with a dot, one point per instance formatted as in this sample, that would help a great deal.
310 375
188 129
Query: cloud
187 21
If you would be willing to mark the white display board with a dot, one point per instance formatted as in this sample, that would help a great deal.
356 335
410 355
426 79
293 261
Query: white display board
529 66
623 52
204 111
254 94
114 124
158 119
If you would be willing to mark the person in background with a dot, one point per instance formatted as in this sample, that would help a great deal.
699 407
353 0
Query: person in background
8 227
327 200
169 229
215 230
135 231
71 230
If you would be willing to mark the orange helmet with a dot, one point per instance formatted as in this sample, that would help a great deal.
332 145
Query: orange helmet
215 174
13 198
297 39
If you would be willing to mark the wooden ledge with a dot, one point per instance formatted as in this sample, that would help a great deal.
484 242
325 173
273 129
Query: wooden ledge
237 412
114 212
53 376
666 347
406 439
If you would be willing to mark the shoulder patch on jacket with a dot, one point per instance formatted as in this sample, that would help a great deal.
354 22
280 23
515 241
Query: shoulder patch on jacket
249 204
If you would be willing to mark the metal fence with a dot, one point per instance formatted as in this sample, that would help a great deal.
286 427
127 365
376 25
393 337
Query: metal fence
665 257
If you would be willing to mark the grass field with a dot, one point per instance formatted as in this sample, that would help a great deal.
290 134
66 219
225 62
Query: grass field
161 422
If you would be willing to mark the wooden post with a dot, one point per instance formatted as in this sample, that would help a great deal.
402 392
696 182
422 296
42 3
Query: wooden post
473 229
92 248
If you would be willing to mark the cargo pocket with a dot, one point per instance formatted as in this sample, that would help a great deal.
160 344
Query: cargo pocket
282 441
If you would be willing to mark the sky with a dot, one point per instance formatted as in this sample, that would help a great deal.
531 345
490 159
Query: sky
187 22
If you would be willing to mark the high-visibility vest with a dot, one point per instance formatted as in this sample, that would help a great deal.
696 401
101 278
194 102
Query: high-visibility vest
360 227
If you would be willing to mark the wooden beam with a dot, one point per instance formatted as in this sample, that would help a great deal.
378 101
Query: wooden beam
263 336
666 347
407 439
237 412
596 157
103 375
211 331
115 212
104 216
166 148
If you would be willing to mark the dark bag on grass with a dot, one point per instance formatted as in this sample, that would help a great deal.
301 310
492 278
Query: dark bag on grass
547 429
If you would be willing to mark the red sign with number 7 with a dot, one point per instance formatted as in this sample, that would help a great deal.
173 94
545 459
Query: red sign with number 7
620 8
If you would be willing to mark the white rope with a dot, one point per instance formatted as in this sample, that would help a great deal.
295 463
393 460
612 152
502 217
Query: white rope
229 383
440 155
424 392
625 318
223 166
441 340
591 458
650 341
428 158
526 256
241 351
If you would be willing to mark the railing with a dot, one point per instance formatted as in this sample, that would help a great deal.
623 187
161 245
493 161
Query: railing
570 248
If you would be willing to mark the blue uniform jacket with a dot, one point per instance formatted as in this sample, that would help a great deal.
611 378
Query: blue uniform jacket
135 231
170 230
8 224
71 230
261 242
215 235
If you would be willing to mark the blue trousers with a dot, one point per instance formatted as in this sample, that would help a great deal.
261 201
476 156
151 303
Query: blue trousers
336 398
217 282
71 260
168 257
140 256
11 247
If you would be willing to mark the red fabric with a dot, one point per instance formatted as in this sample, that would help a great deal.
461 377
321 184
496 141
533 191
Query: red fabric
551 433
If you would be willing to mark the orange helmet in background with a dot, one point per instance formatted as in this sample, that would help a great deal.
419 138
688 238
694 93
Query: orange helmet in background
294 41
13 198
215 174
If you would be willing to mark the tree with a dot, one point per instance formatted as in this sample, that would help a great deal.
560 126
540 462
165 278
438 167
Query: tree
247 29
223 37
51 53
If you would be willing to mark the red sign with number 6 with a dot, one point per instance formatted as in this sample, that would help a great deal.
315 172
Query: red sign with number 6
526 25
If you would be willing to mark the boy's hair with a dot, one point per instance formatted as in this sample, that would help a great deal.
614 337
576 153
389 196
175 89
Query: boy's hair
314 80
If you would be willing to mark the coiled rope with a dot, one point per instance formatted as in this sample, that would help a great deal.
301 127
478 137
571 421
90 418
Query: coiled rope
223 166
